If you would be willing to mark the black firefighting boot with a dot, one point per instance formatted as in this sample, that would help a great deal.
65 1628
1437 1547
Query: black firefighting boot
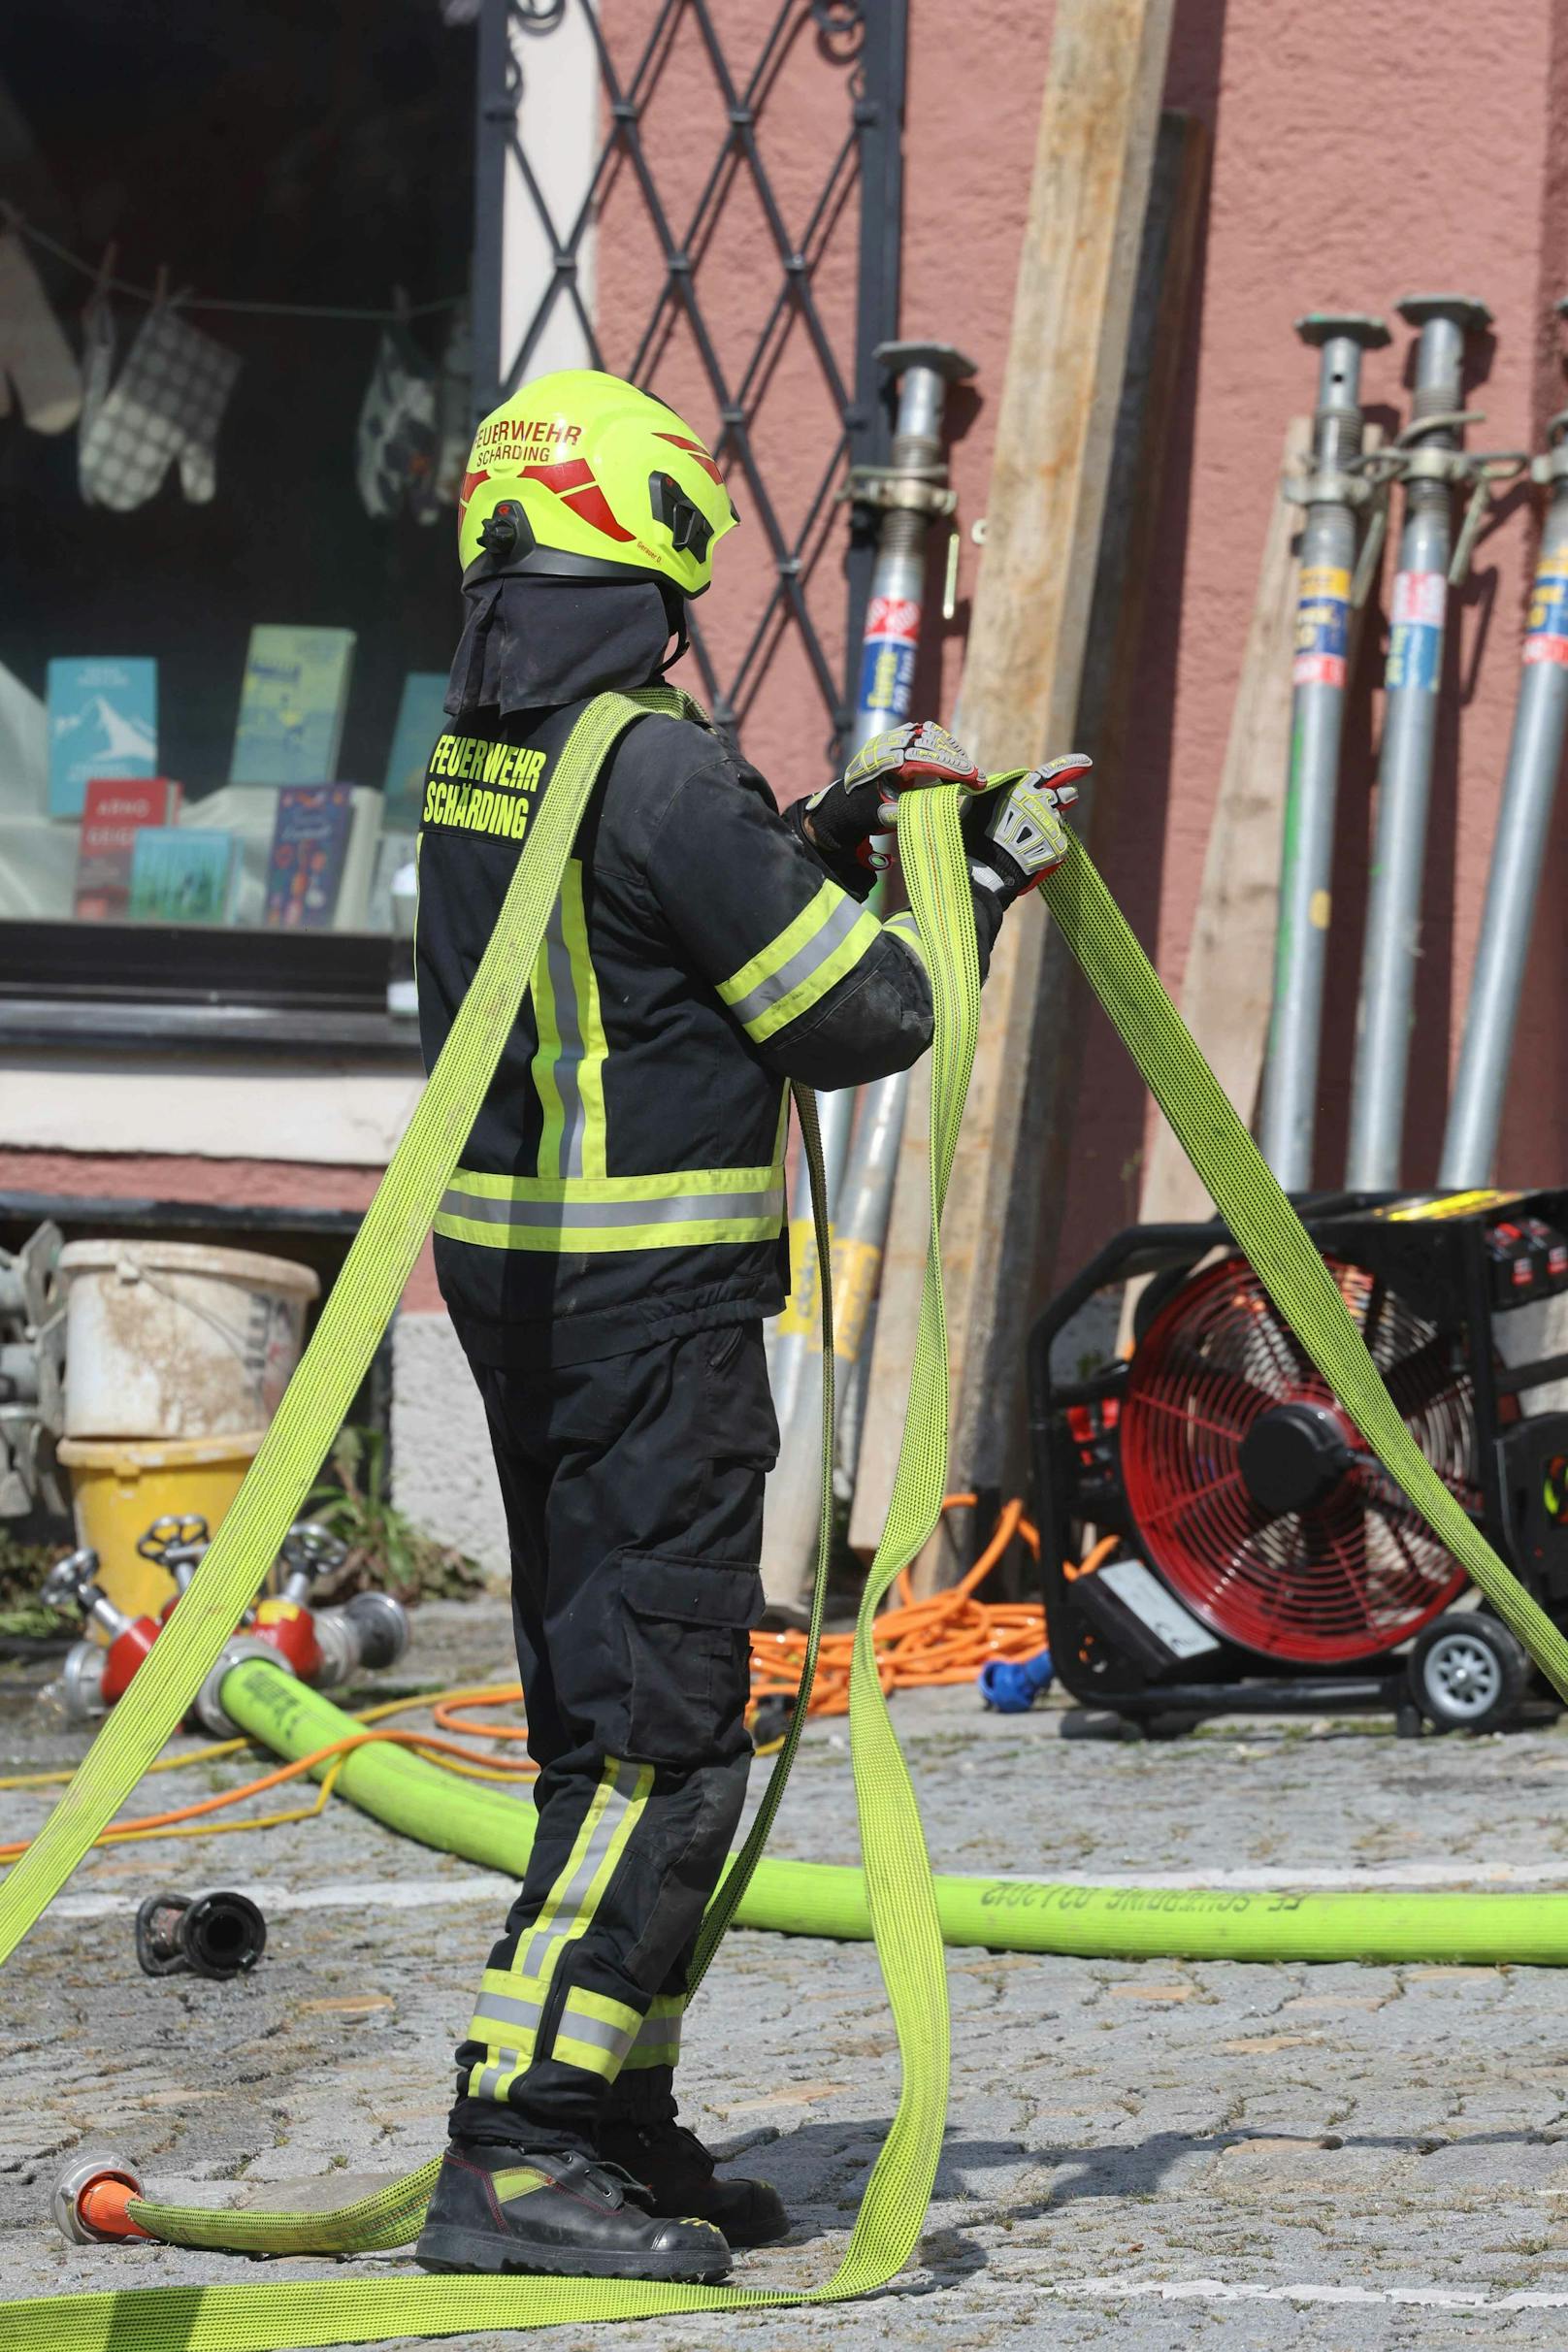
497 2209
677 2173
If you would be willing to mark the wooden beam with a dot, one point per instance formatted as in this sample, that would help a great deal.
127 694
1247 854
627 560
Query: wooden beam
1084 404
1114 663
1025 658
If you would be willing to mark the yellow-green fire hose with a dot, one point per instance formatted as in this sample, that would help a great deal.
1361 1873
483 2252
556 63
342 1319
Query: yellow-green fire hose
898 1889
492 1827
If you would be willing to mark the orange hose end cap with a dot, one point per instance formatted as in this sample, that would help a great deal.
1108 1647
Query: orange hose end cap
104 2206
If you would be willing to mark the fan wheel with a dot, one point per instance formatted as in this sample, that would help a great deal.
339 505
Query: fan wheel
1252 1493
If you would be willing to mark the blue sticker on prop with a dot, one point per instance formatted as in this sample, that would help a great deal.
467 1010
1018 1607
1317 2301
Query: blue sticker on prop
1322 626
1547 639
1416 636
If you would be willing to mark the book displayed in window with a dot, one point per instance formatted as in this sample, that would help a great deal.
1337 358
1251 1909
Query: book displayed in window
309 846
181 874
103 721
421 718
292 705
114 812
324 848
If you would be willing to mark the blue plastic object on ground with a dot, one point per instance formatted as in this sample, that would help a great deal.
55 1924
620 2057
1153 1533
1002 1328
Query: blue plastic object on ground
1011 1687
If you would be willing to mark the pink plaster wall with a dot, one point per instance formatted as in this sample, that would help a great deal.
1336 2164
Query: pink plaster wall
1357 158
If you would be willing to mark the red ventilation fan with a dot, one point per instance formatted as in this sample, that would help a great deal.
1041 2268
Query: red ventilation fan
1253 1494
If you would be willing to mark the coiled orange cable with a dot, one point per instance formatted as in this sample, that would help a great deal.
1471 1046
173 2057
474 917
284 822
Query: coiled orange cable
944 1637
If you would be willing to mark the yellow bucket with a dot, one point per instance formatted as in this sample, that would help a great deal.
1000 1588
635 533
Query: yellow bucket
119 1486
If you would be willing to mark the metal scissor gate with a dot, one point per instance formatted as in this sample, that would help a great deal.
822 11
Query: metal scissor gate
808 236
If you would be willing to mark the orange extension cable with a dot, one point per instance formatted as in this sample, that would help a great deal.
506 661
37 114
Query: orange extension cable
945 1638
169 1823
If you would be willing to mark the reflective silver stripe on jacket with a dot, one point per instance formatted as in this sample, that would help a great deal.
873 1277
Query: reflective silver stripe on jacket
841 921
679 1208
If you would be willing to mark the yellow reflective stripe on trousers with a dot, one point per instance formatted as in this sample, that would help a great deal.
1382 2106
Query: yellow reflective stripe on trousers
683 1208
595 2032
592 2032
567 1069
784 979
511 2000
658 2037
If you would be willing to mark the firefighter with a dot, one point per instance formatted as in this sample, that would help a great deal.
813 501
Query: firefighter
609 1246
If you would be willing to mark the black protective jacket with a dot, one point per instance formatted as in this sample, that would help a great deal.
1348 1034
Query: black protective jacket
624 1179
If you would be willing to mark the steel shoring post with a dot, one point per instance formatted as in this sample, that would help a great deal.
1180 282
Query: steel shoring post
1330 495
1430 469
1523 825
908 492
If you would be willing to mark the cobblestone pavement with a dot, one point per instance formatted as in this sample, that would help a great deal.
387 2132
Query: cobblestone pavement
1151 2155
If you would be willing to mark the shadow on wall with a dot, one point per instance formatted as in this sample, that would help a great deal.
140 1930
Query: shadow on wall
1107 1124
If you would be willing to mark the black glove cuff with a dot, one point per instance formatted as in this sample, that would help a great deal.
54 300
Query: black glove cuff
997 880
842 863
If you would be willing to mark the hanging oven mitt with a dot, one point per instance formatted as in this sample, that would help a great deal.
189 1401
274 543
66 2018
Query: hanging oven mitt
395 459
165 409
38 372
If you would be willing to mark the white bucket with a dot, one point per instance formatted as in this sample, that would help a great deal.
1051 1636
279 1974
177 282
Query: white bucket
168 1339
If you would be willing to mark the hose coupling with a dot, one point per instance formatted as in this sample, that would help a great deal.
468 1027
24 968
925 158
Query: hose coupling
89 2200
220 1935
369 1631
82 1681
207 1707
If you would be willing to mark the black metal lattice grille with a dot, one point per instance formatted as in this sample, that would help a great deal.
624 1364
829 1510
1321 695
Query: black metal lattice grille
858 49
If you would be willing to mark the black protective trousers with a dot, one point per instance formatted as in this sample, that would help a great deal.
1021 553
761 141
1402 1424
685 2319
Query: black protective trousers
633 1488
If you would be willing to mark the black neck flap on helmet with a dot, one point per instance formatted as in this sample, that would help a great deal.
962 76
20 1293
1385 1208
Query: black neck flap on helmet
532 641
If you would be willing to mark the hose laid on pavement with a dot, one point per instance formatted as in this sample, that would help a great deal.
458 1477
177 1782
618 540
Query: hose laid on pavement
494 1828
898 1895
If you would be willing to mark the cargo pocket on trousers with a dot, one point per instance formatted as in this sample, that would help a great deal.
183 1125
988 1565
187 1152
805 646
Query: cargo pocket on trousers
688 1632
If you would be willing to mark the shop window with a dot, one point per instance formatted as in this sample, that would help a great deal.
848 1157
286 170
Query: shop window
234 269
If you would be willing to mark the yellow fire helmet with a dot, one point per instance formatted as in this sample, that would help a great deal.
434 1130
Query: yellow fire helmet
581 475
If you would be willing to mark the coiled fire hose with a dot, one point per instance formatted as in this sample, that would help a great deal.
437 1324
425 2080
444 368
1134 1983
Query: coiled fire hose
895 1895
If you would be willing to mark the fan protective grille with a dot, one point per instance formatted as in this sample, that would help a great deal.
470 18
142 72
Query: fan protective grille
1357 1572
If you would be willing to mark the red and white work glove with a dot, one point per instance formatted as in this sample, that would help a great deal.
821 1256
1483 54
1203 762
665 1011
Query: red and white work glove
844 818
1016 838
